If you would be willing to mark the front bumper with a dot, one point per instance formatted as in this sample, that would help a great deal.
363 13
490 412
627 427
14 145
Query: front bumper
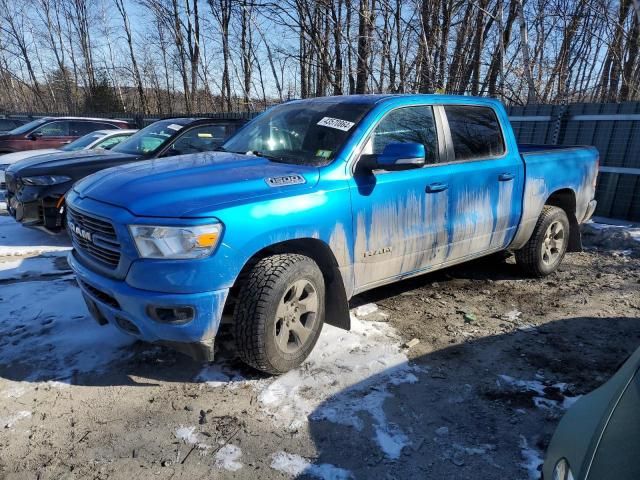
45 212
114 301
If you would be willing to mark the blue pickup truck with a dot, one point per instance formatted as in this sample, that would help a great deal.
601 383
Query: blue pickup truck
312 202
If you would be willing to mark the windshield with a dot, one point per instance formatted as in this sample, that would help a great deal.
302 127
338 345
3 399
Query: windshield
305 133
150 139
28 126
82 142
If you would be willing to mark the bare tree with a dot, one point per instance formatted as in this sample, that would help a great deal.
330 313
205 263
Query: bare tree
134 64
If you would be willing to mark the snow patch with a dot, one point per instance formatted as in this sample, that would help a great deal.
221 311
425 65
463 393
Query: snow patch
49 333
11 420
364 310
512 316
32 266
295 465
347 374
371 313
218 375
16 240
189 436
227 458
345 380
532 459
543 389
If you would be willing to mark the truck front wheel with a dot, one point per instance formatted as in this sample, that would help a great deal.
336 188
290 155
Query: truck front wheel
546 248
279 312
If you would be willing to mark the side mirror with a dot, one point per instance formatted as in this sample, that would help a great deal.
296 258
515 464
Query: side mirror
35 135
401 156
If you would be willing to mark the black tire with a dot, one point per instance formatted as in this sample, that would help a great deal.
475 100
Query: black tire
544 252
265 338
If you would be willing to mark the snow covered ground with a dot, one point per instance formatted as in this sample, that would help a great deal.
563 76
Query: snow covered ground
16 240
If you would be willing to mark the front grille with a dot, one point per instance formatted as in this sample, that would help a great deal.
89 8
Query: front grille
10 183
100 295
94 237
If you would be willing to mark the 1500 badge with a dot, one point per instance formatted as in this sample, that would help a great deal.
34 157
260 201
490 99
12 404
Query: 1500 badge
293 179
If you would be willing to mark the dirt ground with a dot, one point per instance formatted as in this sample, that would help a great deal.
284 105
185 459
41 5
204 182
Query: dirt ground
499 359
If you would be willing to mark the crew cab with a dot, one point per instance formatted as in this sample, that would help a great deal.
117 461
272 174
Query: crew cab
53 132
36 186
312 202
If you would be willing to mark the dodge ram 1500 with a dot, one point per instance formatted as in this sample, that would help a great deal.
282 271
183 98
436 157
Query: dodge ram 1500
309 204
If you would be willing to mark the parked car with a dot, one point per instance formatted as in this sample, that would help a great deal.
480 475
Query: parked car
8 124
599 436
309 204
100 139
36 186
53 132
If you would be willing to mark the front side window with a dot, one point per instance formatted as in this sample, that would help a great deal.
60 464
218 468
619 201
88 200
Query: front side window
54 129
151 139
199 139
27 127
475 132
303 133
406 125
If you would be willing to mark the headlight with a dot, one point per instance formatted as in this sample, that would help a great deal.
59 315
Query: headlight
176 242
45 180
562 471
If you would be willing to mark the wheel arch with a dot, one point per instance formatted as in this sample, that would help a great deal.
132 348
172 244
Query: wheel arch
336 301
566 200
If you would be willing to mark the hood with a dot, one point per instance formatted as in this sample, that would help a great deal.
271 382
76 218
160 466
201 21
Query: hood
9 158
65 162
193 185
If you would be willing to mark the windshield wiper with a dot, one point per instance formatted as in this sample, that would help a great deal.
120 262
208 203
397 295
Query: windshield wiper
258 153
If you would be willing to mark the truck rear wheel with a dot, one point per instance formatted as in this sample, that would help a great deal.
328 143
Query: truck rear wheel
279 312
546 248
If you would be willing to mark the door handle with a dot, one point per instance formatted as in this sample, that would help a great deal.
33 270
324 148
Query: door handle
437 187
505 177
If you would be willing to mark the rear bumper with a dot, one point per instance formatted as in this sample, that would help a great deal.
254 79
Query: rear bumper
114 301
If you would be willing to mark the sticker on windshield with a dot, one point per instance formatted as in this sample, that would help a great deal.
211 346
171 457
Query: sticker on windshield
323 153
175 126
336 123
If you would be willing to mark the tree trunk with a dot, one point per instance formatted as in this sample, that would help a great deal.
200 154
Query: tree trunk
526 61
134 64
366 16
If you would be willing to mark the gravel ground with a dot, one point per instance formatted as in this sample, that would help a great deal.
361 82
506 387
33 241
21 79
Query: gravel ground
463 373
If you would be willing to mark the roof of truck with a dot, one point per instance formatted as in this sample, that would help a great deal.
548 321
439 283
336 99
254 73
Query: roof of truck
379 97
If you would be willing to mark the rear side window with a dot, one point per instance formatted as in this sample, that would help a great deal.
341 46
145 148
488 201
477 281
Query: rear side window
79 128
475 132
406 125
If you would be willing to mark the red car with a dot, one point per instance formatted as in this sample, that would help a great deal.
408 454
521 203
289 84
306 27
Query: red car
53 132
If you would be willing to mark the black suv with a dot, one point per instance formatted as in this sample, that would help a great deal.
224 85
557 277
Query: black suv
36 186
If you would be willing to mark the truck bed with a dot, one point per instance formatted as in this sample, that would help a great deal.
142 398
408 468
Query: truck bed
527 148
